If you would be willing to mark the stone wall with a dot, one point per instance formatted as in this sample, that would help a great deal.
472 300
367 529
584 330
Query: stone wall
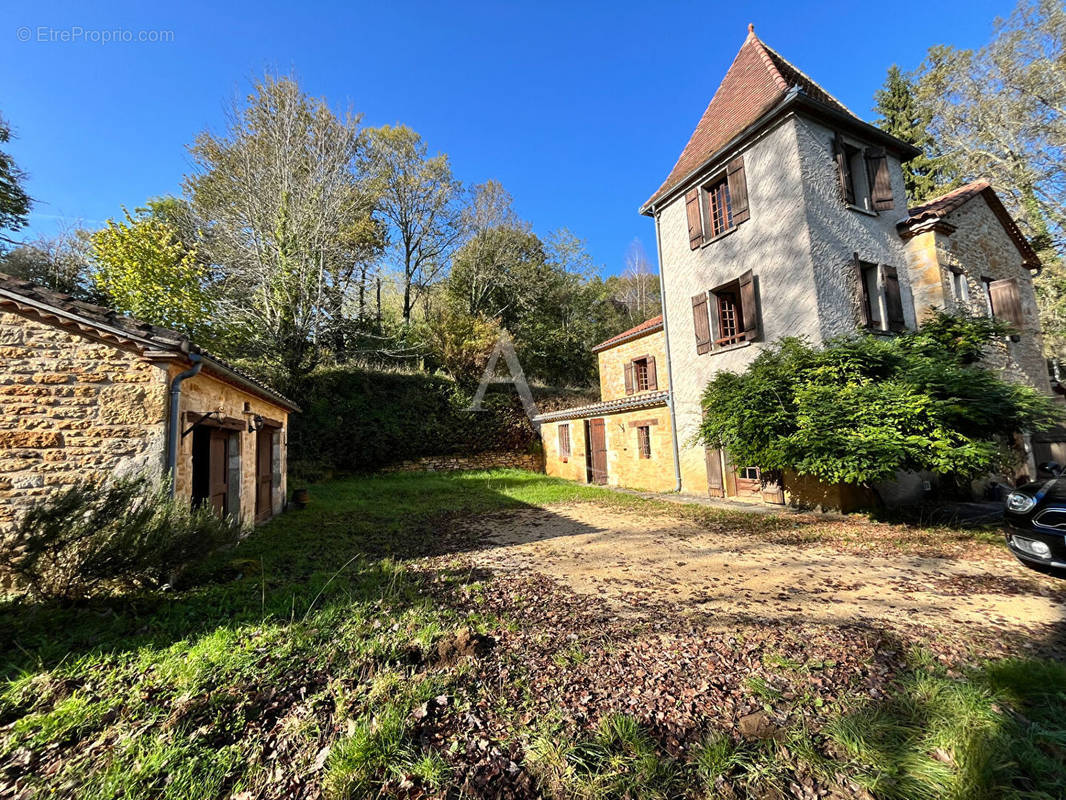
534 462
72 408
625 467
612 363
206 392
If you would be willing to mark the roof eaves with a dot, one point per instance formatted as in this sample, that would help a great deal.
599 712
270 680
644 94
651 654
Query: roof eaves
606 407
627 336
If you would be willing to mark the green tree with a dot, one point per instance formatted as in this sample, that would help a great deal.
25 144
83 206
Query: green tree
143 269
60 263
901 115
14 202
862 408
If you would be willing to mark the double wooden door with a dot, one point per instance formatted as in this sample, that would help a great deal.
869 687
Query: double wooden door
264 473
218 468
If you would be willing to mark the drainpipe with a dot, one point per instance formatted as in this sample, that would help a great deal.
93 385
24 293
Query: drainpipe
174 438
669 365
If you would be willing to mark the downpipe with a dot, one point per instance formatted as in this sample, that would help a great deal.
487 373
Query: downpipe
669 366
174 437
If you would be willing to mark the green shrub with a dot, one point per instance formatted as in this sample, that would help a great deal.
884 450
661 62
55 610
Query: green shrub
94 538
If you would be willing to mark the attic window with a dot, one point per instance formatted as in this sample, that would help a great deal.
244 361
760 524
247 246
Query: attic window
865 181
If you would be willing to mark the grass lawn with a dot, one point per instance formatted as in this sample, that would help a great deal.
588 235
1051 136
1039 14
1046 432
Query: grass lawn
349 651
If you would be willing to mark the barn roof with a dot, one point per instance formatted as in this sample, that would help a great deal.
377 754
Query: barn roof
63 311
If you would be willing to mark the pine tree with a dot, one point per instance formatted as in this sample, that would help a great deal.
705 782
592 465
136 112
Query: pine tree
901 115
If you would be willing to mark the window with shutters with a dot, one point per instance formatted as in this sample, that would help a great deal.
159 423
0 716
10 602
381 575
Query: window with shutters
644 441
881 302
1004 301
564 441
717 208
640 374
960 288
863 172
730 316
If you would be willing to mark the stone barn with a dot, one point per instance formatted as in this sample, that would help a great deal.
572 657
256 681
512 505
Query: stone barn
86 393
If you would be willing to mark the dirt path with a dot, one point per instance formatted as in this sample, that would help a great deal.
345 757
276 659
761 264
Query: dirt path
631 560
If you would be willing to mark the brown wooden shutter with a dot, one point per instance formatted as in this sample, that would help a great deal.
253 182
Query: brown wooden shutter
629 377
880 179
702 323
653 383
749 309
692 210
715 481
564 441
893 299
865 316
1007 302
847 191
738 190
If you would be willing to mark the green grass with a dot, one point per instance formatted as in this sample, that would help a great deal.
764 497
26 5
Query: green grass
300 647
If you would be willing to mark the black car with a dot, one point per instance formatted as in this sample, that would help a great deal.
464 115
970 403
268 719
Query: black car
1035 518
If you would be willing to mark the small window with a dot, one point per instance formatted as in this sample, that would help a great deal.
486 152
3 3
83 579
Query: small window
640 374
860 188
881 300
750 473
730 315
717 208
987 284
959 287
644 441
564 441
871 297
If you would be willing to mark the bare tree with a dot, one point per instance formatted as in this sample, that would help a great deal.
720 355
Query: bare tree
641 285
288 219
419 199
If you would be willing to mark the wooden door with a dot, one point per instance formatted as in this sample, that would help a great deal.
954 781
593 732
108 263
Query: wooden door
715 479
598 448
264 473
219 471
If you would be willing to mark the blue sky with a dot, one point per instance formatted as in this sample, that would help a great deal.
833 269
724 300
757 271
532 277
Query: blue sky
579 109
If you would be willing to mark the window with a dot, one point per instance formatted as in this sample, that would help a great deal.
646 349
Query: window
730 316
640 375
717 208
564 441
1005 302
750 473
644 441
881 303
863 172
987 284
959 287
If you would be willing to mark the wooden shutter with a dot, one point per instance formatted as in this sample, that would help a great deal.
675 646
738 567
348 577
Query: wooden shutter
749 309
893 299
847 191
880 179
564 441
738 190
653 382
629 377
1007 302
865 315
692 211
702 323
715 483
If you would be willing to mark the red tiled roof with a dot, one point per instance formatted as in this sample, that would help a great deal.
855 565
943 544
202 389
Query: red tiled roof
647 326
647 400
758 79
942 206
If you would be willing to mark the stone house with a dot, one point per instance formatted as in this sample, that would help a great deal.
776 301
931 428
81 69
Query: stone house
786 215
626 438
86 393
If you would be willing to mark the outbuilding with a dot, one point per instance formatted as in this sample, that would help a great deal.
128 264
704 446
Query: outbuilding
87 393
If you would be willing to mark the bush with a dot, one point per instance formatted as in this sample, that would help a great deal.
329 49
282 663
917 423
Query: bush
358 420
861 408
95 538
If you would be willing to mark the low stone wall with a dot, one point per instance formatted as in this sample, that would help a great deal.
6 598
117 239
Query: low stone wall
534 462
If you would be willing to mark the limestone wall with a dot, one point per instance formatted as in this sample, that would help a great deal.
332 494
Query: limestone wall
72 408
613 360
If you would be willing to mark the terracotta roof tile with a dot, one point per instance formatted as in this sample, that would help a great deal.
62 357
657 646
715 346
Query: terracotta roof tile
647 400
946 203
647 326
757 80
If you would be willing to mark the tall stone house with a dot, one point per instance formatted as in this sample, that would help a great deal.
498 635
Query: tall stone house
86 394
786 215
